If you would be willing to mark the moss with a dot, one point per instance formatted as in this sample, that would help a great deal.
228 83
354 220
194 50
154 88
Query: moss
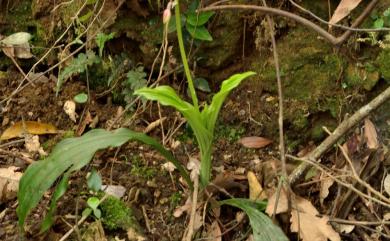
226 33
116 215
310 72
361 76
383 63
228 132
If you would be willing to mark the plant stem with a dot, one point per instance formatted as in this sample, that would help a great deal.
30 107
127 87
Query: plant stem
184 57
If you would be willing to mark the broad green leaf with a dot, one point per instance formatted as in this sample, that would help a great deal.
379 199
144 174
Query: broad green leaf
97 213
209 117
202 84
17 39
210 113
199 32
94 181
81 98
72 154
86 212
58 193
199 19
263 227
93 202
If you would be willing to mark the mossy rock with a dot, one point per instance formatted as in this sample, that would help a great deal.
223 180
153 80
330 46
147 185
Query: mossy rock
117 215
383 63
310 71
224 48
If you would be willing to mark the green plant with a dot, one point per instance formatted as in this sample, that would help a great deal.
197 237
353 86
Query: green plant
116 215
81 98
68 156
375 38
136 79
262 225
101 40
77 66
202 121
141 170
195 22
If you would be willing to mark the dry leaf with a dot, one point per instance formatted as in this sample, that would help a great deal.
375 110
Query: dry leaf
255 189
254 142
194 166
386 184
31 127
81 128
345 228
310 226
134 235
343 9
154 124
282 203
70 109
31 142
326 183
114 190
370 134
22 51
94 232
214 233
185 208
9 183
168 166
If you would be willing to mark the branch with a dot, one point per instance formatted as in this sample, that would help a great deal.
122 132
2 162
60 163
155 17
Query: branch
305 22
338 133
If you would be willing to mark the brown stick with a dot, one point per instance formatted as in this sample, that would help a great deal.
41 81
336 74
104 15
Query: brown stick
274 11
339 132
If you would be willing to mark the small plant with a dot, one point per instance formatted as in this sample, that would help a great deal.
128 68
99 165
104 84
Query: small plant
77 66
195 22
136 79
81 98
139 169
375 38
101 40
202 121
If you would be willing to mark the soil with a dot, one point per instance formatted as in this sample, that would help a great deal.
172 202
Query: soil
154 194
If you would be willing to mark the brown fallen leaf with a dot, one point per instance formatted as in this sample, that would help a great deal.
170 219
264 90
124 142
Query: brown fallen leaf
254 142
343 9
304 218
370 134
326 183
214 233
256 191
310 227
31 127
9 183
83 124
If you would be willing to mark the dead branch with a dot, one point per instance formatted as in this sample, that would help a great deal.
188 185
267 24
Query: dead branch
339 132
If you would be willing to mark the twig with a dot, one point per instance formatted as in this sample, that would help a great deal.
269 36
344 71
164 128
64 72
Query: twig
20 87
355 222
274 11
82 219
338 133
373 3
10 153
349 186
280 119
193 209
